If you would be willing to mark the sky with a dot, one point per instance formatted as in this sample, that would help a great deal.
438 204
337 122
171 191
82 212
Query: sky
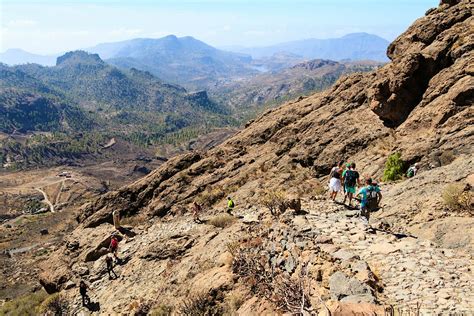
54 26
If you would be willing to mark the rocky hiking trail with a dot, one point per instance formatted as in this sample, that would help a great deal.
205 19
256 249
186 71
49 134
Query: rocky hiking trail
412 270
411 274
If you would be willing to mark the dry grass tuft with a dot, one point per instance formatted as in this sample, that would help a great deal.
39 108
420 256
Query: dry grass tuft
200 305
222 220
457 196
24 305
162 310
275 201
54 304
210 196
232 303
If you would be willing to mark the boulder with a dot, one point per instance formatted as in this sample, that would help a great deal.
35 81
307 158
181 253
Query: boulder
54 274
342 286
345 255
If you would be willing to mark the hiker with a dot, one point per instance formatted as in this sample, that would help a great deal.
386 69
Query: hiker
110 267
412 171
83 291
335 180
350 178
370 198
230 205
113 248
196 210
116 219
347 166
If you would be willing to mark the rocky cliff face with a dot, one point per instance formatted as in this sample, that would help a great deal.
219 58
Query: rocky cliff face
420 105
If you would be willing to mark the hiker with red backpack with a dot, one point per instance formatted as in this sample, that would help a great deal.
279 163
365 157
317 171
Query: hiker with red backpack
350 178
370 198
113 248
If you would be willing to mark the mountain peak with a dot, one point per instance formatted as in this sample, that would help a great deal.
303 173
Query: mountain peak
171 36
362 35
78 57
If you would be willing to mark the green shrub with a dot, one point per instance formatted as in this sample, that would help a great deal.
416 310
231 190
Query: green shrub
24 305
394 168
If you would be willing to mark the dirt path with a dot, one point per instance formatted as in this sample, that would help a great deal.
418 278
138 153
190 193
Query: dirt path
51 206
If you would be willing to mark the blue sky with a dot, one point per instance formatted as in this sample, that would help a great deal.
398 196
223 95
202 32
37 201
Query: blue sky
50 26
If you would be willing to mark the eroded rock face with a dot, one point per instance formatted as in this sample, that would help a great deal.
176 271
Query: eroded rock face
428 47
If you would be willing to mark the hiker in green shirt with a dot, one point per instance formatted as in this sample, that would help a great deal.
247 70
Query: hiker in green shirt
230 205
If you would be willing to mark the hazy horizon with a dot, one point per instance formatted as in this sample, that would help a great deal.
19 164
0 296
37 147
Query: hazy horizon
51 27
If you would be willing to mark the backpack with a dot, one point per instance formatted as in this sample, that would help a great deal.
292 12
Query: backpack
372 199
410 172
350 178
114 243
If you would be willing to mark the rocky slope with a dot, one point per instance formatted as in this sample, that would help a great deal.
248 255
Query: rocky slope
420 104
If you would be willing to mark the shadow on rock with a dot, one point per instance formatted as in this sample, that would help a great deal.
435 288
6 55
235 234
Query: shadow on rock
127 232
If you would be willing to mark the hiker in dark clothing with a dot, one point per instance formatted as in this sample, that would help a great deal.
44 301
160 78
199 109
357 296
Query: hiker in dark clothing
83 291
196 210
350 178
110 267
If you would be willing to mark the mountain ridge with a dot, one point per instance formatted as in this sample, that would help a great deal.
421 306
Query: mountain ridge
353 46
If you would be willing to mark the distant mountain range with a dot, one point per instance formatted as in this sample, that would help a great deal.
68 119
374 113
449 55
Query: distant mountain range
354 46
185 60
196 65
16 56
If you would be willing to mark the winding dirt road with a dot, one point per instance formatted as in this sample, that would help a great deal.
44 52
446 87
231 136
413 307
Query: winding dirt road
51 206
